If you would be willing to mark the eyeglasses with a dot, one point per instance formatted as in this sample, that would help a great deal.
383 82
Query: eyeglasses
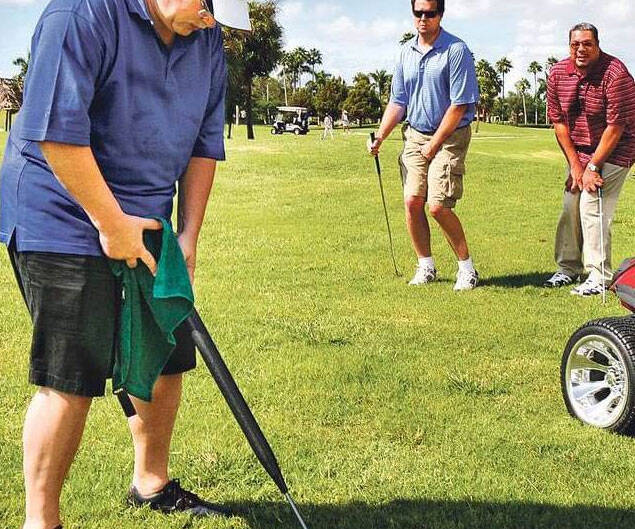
206 13
426 14
587 44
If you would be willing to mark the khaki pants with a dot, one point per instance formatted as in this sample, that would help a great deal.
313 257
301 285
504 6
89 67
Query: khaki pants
578 238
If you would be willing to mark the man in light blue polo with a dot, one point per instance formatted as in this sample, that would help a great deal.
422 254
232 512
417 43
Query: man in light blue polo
122 98
435 87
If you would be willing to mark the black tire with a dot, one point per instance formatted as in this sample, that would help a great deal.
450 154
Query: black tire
619 335
274 131
296 132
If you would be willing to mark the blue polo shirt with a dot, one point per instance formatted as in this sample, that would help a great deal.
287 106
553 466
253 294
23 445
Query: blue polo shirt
100 76
428 82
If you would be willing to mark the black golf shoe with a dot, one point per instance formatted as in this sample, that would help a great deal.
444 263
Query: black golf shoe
174 498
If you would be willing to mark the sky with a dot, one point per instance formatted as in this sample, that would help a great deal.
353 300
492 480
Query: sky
363 35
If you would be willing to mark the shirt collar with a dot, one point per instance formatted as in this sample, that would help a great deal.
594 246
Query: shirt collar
438 43
138 7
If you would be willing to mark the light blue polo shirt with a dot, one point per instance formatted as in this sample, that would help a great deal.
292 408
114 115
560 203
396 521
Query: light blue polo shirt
428 82
100 76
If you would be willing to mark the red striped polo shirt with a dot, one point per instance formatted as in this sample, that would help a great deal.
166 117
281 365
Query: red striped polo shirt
588 103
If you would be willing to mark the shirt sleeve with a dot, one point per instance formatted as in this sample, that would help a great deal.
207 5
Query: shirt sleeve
620 101
398 94
66 58
210 142
463 81
555 109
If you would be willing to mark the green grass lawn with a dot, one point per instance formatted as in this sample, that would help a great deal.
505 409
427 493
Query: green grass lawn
388 406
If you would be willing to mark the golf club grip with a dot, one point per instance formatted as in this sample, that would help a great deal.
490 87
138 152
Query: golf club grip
126 404
377 165
235 399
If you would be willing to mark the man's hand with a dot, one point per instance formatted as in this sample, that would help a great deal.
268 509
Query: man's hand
574 182
373 146
123 240
428 151
188 247
591 181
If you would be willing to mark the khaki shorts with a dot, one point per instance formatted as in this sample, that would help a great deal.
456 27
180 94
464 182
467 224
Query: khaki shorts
440 181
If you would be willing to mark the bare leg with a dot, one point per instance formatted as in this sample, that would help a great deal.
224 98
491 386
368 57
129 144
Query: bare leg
53 428
452 229
418 226
151 432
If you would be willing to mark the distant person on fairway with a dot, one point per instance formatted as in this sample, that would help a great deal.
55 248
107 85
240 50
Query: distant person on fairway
434 86
328 127
592 106
122 97
346 123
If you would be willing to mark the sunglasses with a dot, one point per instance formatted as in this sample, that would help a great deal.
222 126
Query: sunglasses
426 14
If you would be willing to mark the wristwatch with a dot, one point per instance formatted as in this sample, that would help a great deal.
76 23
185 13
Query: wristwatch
593 168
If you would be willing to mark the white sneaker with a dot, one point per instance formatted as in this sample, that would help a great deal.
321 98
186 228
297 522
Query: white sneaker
591 287
559 279
466 280
423 274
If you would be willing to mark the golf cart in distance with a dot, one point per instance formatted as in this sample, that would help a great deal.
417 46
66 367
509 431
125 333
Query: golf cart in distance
597 373
291 119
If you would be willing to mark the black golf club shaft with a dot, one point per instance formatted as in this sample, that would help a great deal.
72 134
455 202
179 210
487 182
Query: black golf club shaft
234 398
383 200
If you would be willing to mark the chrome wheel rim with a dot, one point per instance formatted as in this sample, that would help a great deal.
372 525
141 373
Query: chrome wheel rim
596 381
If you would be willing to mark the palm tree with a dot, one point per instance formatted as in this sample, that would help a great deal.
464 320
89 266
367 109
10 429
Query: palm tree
503 67
381 80
550 63
314 58
535 67
489 86
406 37
300 63
521 87
321 78
255 54
285 63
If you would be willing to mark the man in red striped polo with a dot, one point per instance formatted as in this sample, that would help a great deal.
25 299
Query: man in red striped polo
591 99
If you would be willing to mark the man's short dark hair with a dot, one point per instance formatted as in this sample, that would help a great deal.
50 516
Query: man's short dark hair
440 5
585 26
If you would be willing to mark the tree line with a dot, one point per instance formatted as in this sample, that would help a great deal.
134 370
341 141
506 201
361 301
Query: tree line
528 100
263 76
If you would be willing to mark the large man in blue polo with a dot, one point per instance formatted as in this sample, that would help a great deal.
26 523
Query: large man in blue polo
122 98
435 87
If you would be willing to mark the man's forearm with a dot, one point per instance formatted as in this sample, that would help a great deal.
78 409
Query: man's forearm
77 170
451 119
608 142
566 144
194 190
392 117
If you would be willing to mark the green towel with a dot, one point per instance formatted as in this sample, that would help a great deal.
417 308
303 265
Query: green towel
152 308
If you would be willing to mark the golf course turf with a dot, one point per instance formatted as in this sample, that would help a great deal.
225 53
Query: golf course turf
387 406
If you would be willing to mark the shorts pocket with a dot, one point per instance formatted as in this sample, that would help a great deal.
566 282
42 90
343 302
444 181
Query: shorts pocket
454 180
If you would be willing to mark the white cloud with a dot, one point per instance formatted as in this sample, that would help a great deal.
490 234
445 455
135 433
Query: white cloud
289 11
359 35
470 9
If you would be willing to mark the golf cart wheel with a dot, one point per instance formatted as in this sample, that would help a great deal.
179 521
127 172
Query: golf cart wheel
597 374
274 131
296 132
